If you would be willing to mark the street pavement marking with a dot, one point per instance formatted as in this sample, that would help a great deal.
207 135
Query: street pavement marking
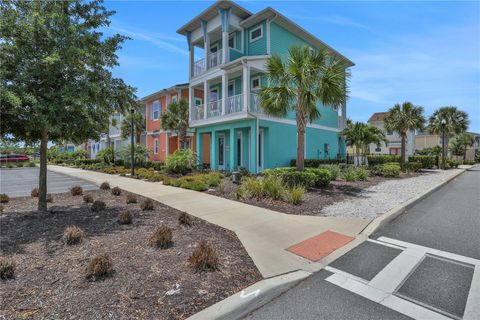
394 273
435 252
345 274
472 309
384 298
386 244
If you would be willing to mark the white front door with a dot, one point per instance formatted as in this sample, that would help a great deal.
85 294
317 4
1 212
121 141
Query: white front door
221 151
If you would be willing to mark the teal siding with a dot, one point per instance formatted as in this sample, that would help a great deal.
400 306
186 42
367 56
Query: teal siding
234 54
257 47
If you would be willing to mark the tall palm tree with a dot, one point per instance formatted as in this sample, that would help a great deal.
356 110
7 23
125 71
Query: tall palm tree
176 119
403 118
456 122
360 135
305 78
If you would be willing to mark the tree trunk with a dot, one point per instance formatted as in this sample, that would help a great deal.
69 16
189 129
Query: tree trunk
42 181
182 136
138 136
446 145
404 144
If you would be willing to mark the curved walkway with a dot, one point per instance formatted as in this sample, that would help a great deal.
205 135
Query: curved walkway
264 233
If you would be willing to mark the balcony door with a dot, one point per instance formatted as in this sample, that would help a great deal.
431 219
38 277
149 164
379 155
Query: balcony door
213 103
230 101
221 151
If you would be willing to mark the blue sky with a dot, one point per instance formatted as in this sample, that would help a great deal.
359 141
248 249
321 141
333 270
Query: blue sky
424 52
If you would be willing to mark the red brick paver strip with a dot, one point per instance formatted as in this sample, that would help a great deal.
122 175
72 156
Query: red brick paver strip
320 246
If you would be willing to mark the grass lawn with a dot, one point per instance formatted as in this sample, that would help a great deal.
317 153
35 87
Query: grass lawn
147 282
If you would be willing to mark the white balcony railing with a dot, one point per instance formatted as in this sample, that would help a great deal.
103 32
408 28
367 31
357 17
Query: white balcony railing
214 59
198 112
214 108
199 67
234 104
254 105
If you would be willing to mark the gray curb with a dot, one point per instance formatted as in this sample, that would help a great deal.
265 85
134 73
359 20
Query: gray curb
384 219
242 303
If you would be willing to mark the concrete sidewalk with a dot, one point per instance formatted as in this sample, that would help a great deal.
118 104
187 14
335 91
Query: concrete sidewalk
264 233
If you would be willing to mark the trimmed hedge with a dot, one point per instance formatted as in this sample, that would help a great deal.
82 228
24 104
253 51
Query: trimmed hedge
412 166
390 169
427 162
315 163
310 177
376 159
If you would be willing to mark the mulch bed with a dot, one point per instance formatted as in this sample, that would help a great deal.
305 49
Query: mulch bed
314 200
50 276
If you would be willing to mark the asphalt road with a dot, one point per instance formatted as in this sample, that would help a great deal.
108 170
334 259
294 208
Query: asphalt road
447 220
19 182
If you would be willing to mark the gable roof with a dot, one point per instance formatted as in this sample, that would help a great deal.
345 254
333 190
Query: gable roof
163 91
211 12
378 116
277 17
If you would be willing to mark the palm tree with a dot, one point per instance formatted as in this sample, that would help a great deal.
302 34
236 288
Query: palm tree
176 119
403 118
360 135
138 123
298 84
460 144
456 122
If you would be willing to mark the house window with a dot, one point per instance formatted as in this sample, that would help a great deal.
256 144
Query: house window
378 149
174 99
326 148
186 144
155 146
256 33
155 110
255 83
198 101
389 133
214 47
231 40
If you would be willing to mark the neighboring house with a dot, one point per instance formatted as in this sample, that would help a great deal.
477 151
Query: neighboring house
162 143
115 135
425 140
232 130
394 145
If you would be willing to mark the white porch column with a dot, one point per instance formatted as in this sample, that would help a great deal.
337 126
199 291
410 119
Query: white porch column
226 50
224 92
191 102
205 98
246 85
190 55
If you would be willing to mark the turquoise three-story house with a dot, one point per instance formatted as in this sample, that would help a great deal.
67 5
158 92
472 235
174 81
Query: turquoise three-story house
232 131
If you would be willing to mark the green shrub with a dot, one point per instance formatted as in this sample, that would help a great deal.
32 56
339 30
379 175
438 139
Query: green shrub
181 161
291 178
356 174
250 187
315 163
295 195
469 162
334 169
453 163
350 175
31 164
376 159
9 166
272 187
412 166
427 162
322 176
387 169
197 186
362 173
212 179
19 164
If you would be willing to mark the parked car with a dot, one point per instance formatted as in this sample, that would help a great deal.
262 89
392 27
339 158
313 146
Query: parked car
14 157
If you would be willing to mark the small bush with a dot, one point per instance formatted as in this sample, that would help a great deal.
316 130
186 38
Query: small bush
181 161
34 193
295 195
87 198
350 175
291 178
125 217
387 169
362 173
185 219
19 164
356 174
315 163
197 186
31 164
76 191
272 187
427 162
7 268
376 159
161 237
412 166
4 198
100 267
131 198
334 170
322 176
469 162
453 163
251 187
147 204
98 205
9 166
105 186
204 258
73 235
116 191
49 198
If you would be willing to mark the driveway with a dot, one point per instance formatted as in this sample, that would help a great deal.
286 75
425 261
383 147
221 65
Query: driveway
19 182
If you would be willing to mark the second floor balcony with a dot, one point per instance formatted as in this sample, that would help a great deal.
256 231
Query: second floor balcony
212 60
231 107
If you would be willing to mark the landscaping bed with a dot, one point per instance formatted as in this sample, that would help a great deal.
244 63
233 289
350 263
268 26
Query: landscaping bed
147 282
315 199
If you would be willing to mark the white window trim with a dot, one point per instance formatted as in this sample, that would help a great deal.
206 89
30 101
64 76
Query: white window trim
214 90
159 110
174 97
215 45
255 29
259 83
234 37
155 146
198 99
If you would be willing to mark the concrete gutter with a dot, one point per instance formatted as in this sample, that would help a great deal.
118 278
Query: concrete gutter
385 218
242 303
